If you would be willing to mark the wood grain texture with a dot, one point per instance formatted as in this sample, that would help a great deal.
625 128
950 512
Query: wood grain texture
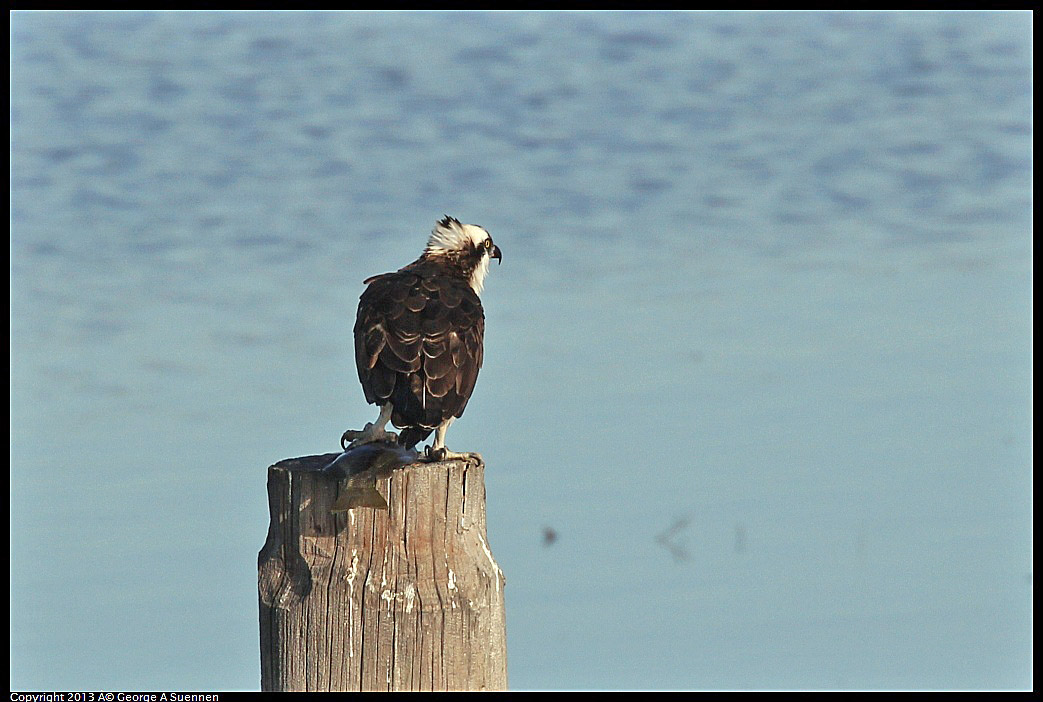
408 598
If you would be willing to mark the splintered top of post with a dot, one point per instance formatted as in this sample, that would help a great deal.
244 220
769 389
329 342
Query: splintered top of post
352 475
349 480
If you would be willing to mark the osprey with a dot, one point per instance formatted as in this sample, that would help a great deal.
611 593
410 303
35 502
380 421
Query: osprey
418 339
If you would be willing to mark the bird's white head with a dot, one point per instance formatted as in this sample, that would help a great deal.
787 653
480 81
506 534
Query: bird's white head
468 246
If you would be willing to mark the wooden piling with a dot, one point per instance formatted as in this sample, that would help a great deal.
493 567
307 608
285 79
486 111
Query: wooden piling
407 598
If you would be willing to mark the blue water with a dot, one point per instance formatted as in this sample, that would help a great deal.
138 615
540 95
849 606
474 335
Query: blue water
759 352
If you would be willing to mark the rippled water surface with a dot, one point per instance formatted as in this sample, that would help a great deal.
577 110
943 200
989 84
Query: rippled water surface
758 354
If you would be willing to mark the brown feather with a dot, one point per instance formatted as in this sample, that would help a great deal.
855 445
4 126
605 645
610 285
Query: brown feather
418 343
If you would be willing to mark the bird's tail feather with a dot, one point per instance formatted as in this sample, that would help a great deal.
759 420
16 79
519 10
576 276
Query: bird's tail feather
410 437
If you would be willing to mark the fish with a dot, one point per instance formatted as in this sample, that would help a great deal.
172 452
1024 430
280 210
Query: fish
360 467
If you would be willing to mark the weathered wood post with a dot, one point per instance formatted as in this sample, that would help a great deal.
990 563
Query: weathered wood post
407 598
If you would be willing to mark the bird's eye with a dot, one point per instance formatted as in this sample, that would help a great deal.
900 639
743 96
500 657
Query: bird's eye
488 243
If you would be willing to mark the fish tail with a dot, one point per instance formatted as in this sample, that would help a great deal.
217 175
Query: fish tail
354 496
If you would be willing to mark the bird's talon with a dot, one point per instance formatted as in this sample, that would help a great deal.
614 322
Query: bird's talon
433 455
371 434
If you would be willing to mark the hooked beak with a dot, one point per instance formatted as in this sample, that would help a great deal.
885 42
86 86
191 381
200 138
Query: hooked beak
495 253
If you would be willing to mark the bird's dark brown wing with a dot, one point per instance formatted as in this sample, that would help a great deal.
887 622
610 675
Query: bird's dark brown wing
418 344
